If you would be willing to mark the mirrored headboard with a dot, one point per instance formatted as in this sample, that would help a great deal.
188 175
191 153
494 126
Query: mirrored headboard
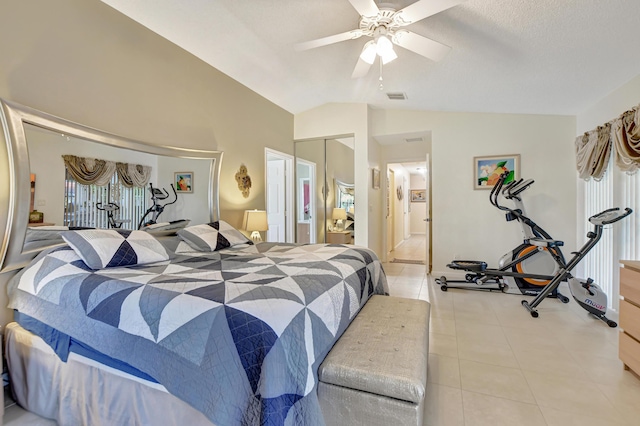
33 141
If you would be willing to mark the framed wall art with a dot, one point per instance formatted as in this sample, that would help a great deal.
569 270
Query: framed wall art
375 178
487 170
418 195
183 181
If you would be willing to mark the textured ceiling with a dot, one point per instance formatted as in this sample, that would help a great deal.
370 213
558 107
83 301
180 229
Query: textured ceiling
515 56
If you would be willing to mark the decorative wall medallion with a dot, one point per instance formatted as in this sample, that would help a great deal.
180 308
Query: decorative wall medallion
399 193
244 181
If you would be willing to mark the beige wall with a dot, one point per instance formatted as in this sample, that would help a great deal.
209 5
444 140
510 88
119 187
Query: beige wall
463 221
84 61
351 119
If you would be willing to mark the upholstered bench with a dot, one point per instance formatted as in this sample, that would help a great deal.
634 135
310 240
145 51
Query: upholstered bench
376 374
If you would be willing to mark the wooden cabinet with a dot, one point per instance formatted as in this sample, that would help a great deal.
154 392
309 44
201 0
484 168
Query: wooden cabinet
629 344
342 237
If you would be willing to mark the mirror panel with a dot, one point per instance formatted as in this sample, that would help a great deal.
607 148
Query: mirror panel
35 142
318 193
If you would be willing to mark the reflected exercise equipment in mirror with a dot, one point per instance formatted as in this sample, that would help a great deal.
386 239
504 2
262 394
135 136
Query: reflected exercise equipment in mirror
34 145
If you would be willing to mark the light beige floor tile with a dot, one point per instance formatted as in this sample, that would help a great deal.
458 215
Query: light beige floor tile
480 333
625 398
605 371
477 317
444 406
550 360
556 417
17 416
498 354
442 326
485 410
442 312
526 338
569 394
443 344
443 370
493 380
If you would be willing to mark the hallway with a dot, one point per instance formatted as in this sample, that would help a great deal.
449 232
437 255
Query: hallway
412 250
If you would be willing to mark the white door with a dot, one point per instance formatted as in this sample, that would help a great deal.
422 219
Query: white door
276 200
427 175
391 182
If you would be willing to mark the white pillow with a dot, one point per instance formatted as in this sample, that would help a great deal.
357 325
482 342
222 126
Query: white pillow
106 248
213 236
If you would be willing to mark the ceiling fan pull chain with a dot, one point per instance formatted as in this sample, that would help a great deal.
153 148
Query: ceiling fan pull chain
381 87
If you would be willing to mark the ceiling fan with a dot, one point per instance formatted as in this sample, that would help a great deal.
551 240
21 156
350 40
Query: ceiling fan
385 26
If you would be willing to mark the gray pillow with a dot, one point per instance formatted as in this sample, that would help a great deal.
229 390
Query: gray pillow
213 236
107 248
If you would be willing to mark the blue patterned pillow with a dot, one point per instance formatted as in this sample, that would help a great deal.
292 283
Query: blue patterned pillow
213 236
107 248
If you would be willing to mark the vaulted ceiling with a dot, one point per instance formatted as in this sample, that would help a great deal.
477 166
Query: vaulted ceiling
510 56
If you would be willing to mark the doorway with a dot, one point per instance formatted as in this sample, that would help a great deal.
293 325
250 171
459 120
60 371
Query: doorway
279 196
408 218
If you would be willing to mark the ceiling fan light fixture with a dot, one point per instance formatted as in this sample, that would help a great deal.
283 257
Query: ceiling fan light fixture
388 56
369 52
383 45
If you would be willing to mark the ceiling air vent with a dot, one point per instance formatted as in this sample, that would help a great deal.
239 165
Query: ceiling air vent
419 139
396 96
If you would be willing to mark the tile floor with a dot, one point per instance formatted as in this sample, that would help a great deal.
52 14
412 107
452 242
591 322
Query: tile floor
490 363
413 248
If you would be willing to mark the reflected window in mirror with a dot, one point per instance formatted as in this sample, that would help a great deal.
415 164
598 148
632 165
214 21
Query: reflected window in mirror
109 206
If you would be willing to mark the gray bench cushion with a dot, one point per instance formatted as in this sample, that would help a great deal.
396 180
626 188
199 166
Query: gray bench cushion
384 351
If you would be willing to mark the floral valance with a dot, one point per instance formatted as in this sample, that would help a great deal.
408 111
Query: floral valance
92 171
620 136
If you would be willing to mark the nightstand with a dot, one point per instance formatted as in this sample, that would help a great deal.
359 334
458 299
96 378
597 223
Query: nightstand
339 237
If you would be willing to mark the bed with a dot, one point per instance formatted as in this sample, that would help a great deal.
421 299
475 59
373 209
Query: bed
219 333
237 334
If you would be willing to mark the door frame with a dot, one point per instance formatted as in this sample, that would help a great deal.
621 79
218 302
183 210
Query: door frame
429 245
313 231
288 183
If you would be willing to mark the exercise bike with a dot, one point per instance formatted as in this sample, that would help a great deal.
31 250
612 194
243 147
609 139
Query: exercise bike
588 295
110 208
529 267
156 208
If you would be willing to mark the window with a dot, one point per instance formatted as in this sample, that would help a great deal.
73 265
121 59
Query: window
620 240
81 201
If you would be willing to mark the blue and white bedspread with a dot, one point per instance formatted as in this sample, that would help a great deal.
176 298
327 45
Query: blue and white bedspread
238 334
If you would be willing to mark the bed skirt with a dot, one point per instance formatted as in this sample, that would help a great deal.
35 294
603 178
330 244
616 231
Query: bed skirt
85 392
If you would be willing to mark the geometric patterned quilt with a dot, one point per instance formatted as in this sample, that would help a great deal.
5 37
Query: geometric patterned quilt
239 334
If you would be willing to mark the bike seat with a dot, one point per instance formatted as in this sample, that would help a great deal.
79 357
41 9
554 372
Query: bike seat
544 242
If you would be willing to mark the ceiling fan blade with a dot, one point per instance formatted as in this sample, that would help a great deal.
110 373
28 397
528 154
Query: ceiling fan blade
362 68
425 8
336 38
421 45
365 7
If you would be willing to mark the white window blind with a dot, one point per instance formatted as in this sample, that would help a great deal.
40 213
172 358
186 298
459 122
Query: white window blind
80 203
620 240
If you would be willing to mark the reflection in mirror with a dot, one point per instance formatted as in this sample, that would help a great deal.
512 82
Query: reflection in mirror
320 165
35 144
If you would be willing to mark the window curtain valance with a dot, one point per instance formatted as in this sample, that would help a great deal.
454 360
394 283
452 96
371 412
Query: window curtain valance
92 171
620 136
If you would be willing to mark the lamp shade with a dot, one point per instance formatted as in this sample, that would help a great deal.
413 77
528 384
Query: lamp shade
255 220
339 214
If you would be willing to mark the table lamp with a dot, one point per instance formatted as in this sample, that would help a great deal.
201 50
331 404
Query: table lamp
255 221
339 215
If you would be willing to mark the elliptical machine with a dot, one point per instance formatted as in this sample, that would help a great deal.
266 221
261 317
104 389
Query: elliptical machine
588 295
156 208
529 267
